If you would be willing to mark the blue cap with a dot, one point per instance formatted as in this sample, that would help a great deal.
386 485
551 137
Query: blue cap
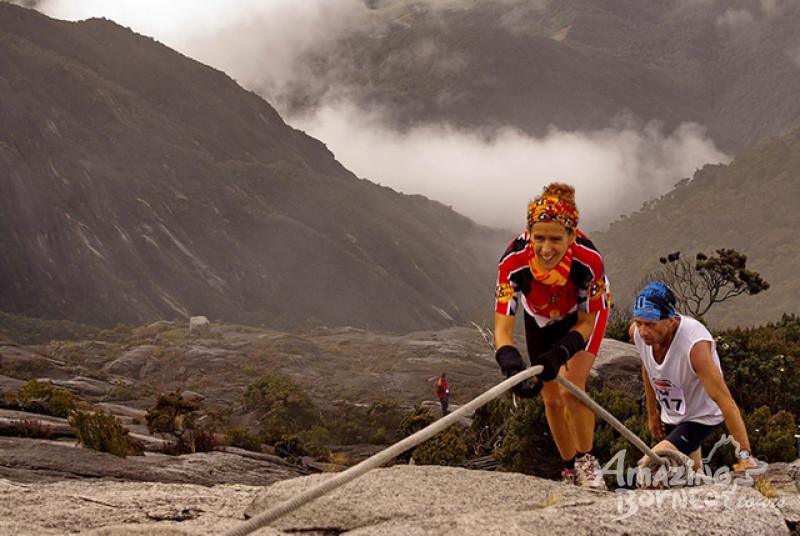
654 302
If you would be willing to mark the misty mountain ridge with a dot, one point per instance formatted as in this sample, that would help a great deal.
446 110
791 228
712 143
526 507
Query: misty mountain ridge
139 184
749 205
575 65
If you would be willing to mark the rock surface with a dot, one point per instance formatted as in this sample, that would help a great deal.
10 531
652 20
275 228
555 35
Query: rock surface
398 501
36 460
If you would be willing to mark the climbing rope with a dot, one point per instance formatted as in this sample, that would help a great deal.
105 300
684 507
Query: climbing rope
591 404
604 414
426 433
380 458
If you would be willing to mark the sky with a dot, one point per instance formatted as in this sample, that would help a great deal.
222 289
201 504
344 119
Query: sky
488 175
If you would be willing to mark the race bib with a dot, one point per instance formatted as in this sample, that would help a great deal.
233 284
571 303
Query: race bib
670 396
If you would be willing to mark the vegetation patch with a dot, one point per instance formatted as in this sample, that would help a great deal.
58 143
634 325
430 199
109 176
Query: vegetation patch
103 432
46 399
282 407
175 418
30 330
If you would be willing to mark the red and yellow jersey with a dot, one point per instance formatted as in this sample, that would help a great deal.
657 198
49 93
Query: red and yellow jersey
586 287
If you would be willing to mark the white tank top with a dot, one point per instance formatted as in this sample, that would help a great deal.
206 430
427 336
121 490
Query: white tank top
677 388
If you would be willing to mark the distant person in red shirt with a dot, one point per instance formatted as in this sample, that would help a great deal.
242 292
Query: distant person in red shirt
443 393
554 271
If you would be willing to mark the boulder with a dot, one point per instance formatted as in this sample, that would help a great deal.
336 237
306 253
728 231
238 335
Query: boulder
782 481
9 385
199 325
618 366
133 363
83 387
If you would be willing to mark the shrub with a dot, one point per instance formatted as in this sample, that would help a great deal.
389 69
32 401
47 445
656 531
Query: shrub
46 399
31 428
448 447
282 407
120 333
315 441
9 400
445 448
28 330
123 392
175 417
243 439
24 369
376 423
607 441
772 435
415 421
102 432
528 446
412 423
205 440
762 365
488 427
341 458
306 443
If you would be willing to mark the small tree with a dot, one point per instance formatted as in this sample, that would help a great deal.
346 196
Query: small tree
772 435
701 283
528 446
175 417
282 407
47 399
445 448
103 432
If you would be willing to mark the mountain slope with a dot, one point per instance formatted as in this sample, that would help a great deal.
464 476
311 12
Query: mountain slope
733 67
749 205
138 184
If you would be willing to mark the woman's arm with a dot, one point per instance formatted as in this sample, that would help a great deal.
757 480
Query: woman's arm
585 324
503 330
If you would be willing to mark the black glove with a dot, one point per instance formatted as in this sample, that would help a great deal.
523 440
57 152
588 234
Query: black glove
510 360
527 389
511 363
551 360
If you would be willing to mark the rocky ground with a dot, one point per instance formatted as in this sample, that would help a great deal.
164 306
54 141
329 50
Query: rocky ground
330 363
398 501
53 486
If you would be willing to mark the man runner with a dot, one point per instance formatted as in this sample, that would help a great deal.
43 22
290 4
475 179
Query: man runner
682 375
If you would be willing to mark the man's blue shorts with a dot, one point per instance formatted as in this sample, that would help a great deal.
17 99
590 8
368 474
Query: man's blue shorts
688 436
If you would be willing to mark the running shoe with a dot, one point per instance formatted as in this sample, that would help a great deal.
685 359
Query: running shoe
588 473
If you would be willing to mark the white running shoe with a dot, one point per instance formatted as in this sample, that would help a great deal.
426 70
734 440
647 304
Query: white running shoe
588 473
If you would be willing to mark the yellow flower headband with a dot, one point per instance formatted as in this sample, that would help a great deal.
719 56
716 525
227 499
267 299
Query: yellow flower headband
552 208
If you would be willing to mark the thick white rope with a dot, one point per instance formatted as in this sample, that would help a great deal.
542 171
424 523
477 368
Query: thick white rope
604 414
591 404
380 458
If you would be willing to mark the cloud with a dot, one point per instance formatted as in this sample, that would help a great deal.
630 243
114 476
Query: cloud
491 175
264 44
258 42
487 175
735 19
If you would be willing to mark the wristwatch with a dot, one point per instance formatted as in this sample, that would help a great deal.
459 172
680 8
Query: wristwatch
743 455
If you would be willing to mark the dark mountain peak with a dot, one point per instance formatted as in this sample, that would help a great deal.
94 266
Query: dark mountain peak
139 184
